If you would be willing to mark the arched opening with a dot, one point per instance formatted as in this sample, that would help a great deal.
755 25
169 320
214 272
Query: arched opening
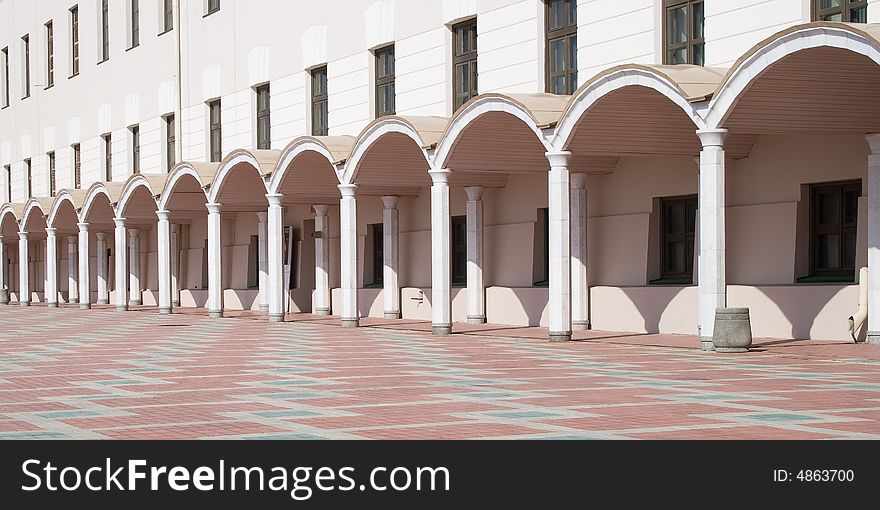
138 206
64 219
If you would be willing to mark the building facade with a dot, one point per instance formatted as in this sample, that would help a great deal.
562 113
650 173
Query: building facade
624 166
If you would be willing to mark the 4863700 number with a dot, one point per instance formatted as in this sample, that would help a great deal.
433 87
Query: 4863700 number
825 475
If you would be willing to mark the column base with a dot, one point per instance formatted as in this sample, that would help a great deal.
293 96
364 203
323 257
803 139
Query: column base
276 317
706 343
731 349
392 315
24 303
873 337
4 297
441 329
101 302
52 305
73 301
264 308
323 311
580 325
175 304
560 336
121 308
85 306
164 310
476 319
348 322
135 302
215 314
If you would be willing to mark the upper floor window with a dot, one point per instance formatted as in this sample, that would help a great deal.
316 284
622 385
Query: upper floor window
28 181
677 233
50 55
26 66
385 81
135 149
264 126
319 102
464 62
167 16
458 246
51 157
108 157
105 30
215 136
74 41
561 58
833 226
134 24
377 258
77 166
852 11
212 6
170 142
4 80
8 171
684 42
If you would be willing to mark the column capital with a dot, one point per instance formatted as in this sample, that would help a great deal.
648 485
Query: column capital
578 181
712 137
347 190
100 235
214 208
23 236
120 222
134 232
83 227
558 158
72 240
274 199
440 175
50 231
390 201
474 193
262 217
321 209
873 140
164 215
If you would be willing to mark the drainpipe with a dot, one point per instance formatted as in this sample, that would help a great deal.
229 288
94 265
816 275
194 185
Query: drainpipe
178 105
856 320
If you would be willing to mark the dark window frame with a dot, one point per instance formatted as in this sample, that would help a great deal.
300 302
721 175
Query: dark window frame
170 141
692 41
320 100
845 10
52 179
464 57
211 7
135 131
841 229
77 165
135 21
28 179
105 31
377 232
26 40
74 41
458 251
385 80
5 55
50 54
565 32
167 16
687 237
215 131
264 116
108 157
8 169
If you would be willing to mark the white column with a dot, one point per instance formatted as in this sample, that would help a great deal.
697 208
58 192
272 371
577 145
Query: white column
559 238
24 288
277 294
349 255
322 260
85 291
51 290
163 237
101 266
43 250
175 265
262 262
121 267
4 285
441 279
390 250
215 290
874 239
134 266
713 280
476 291
72 270
580 292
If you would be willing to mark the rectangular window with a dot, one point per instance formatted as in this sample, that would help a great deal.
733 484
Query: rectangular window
50 55
26 71
213 6
135 149
8 172
77 165
319 102
167 16
678 231
105 30
561 58
108 158
264 140
850 11
51 158
459 250
74 41
378 254
135 22
541 249
464 62
684 42
216 140
170 141
385 81
4 55
27 179
833 221
253 267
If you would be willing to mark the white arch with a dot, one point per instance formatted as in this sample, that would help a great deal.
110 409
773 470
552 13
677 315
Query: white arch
181 170
138 181
7 209
232 160
770 51
293 150
604 85
95 190
31 204
476 108
61 197
372 135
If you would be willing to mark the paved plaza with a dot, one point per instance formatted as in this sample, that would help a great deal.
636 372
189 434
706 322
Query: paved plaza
68 373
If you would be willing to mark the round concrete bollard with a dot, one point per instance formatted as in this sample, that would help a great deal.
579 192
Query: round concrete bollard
733 331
